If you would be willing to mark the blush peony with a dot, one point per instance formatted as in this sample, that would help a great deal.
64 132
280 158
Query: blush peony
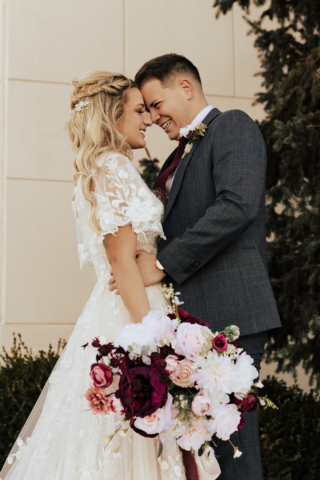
173 366
201 405
101 375
188 368
226 422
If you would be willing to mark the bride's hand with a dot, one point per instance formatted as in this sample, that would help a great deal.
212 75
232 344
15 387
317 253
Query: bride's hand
150 274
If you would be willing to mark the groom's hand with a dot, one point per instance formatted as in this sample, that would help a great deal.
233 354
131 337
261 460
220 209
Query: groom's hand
150 274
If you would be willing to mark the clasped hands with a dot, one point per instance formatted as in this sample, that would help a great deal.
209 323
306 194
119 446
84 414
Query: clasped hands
150 274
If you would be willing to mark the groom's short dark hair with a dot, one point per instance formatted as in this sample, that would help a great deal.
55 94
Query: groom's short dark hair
165 67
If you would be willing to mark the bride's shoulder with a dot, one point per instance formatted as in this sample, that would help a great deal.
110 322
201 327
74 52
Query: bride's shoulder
112 159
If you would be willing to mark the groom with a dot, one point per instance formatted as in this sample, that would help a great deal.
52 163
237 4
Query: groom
215 248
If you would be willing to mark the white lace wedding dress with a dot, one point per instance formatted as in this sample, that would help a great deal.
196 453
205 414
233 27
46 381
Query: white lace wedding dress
62 440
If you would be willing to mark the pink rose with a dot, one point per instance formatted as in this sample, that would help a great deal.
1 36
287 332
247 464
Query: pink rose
98 402
220 343
191 340
157 421
101 375
201 405
115 405
188 368
173 366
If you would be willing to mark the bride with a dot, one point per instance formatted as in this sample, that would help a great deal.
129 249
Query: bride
116 215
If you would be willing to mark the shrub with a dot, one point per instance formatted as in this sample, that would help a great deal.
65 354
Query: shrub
22 377
290 436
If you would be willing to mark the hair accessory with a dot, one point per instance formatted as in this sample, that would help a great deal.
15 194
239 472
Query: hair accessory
80 106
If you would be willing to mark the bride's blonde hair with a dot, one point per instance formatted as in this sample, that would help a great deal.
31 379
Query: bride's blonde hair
97 103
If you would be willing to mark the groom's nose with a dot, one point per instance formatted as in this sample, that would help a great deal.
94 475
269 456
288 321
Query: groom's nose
155 116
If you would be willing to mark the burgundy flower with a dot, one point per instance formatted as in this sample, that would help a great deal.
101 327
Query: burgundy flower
242 420
220 343
185 317
237 402
96 343
250 403
141 390
104 350
101 375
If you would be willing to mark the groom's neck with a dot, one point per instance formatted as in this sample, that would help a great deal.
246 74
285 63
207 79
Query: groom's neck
197 107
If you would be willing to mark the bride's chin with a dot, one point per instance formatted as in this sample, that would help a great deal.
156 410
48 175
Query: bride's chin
140 144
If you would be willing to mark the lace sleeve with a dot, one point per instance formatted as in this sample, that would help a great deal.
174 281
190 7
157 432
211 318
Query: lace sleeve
123 198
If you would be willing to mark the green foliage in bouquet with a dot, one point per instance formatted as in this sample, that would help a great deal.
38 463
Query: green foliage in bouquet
290 68
150 169
290 436
22 377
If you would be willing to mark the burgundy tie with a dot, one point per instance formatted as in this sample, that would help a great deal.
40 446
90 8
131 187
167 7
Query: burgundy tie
161 183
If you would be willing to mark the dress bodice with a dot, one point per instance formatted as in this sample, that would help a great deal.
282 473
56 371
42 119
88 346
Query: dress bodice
122 199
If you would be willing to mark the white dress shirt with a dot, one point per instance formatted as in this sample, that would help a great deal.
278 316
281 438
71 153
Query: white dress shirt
201 116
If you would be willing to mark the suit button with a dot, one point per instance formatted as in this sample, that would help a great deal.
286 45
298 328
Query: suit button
187 271
197 264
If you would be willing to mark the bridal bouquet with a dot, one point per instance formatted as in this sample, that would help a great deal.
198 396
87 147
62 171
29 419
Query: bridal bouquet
172 376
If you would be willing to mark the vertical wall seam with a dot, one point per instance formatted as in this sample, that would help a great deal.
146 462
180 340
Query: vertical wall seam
234 55
124 35
4 154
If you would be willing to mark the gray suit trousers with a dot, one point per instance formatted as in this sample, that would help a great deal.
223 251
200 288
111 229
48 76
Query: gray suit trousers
248 466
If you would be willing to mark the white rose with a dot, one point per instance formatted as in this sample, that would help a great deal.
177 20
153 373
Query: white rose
226 422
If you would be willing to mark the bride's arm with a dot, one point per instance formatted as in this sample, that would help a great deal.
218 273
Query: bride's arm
121 253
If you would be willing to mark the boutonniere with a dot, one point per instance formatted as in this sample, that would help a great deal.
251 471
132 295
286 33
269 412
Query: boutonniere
192 133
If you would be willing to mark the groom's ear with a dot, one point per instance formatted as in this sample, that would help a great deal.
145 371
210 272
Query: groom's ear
187 88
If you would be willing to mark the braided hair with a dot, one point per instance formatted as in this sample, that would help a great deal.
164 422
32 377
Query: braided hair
93 128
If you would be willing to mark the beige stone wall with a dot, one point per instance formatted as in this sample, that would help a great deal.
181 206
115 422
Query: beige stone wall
44 45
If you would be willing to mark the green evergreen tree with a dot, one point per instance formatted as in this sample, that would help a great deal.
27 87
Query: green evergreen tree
290 62
150 169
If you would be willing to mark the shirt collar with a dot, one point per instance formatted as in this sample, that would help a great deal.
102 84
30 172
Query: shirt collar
202 115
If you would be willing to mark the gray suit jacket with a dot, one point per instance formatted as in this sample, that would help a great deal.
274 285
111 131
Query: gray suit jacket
215 252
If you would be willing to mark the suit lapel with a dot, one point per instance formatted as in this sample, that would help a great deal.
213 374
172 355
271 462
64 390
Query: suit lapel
182 167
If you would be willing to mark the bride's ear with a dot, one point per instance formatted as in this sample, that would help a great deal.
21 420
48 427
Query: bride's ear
187 88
